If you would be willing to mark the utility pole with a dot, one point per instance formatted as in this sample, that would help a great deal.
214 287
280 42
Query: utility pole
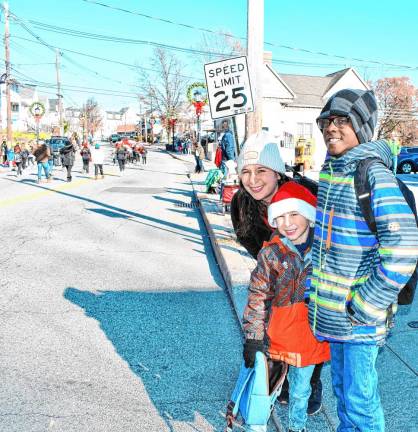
7 56
57 66
255 51
146 127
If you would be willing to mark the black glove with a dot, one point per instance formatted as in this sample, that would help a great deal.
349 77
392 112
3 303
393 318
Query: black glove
251 346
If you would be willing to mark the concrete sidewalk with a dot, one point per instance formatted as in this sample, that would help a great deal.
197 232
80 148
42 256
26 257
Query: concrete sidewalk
397 362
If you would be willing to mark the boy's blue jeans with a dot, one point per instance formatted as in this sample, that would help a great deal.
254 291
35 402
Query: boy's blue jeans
45 166
299 392
354 380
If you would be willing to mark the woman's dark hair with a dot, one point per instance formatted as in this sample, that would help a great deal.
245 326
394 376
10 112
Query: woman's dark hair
251 213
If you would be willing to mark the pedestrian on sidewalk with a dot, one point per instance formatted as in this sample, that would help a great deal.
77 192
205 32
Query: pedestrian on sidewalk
227 146
97 157
199 154
275 319
86 157
42 154
51 162
25 156
121 155
10 157
143 152
3 152
357 274
67 157
31 157
18 160
262 171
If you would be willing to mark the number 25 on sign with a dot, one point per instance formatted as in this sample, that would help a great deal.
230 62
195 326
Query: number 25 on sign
228 86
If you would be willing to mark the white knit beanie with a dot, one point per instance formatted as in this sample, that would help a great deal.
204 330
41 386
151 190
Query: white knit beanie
261 149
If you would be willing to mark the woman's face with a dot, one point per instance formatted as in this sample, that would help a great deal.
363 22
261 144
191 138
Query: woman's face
260 182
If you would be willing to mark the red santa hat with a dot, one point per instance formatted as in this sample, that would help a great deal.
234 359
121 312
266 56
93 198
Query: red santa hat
292 197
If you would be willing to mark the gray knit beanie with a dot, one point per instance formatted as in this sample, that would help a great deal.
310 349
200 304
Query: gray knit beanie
261 149
359 105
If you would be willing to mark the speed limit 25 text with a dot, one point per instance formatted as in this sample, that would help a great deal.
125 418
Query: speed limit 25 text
222 80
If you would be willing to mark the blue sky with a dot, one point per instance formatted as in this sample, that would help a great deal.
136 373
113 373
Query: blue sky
375 31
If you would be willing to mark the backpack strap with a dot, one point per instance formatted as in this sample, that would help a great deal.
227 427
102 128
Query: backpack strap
363 191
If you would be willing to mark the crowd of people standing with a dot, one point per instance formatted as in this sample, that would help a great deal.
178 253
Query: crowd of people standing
22 156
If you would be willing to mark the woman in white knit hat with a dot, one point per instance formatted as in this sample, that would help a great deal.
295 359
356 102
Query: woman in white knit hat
261 172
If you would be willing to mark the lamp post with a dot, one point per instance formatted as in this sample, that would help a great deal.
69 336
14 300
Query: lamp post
37 115
151 122
81 117
172 122
197 96
37 110
198 102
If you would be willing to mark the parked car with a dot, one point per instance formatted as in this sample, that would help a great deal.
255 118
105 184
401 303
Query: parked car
114 138
56 143
408 160
207 138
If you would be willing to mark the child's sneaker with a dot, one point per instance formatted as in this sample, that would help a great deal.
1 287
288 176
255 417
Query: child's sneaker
315 400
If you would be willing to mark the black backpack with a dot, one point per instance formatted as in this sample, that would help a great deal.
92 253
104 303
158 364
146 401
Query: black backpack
362 188
298 177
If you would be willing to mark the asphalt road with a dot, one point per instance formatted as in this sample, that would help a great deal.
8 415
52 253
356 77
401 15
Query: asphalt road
113 311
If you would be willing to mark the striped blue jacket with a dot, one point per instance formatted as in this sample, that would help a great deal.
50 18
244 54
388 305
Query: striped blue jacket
357 276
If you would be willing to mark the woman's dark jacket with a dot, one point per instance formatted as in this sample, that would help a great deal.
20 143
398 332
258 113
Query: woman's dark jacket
67 153
258 234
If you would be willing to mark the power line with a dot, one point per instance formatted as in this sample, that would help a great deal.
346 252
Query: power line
108 60
201 29
116 39
84 68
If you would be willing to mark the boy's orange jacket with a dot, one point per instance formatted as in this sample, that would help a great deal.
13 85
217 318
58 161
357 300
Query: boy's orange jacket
276 306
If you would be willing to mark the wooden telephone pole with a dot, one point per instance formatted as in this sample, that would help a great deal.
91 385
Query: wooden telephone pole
57 67
255 50
7 61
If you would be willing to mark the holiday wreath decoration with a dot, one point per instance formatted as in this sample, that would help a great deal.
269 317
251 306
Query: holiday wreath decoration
191 92
37 106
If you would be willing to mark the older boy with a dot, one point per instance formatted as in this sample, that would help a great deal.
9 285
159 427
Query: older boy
356 275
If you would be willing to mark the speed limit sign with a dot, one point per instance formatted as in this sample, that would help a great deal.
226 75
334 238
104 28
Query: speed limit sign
228 86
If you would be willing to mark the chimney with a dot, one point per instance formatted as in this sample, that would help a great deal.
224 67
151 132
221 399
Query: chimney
268 57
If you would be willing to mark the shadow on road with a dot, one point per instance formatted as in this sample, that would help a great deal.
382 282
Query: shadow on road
177 343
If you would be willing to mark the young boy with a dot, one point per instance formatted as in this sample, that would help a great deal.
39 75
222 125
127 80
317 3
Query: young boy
276 317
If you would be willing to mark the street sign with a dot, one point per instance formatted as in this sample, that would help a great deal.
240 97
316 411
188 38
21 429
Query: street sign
229 88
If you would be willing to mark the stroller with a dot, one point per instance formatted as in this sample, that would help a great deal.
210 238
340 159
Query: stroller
213 180
228 189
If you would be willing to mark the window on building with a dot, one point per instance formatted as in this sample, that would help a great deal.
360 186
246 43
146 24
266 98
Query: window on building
15 107
305 130
14 87
287 141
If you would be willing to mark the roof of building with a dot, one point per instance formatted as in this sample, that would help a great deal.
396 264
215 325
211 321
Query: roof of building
310 89
126 128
